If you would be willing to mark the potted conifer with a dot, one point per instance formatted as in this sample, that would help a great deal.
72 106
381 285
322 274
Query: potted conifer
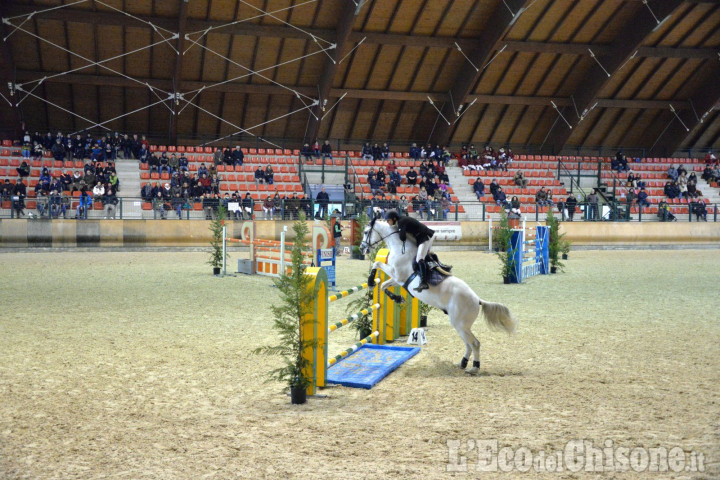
502 241
216 227
295 300
556 244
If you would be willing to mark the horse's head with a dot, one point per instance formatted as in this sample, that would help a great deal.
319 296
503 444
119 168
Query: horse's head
370 237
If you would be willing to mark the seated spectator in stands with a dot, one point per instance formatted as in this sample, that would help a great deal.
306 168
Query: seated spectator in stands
371 175
6 190
642 198
426 151
227 156
671 190
215 184
59 204
385 151
430 187
164 164
219 158
146 192
493 187
692 191
26 150
375 186
45 179
85 203
98 191
632 179
391 167
66 180
394 182
316 149
42 203
78 183
715 174
541 197
699 210
159 204
570 205
520 180
268 207
238 157
411 176
681 169
380 175
37 151
205 183
109 202
682 184
174 163
664 213
154 163
423 204
514 207
326 150
259 175
269 175
445 156
479 188
445 206
113 182
366 152
710 158
109 151
441 172
58 150
707 173
414 152
183 165
500 198
423 168
177 203
306 153
247 206
376 152
209 206
23 170
202 170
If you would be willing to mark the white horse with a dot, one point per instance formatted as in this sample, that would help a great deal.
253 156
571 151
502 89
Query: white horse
452 295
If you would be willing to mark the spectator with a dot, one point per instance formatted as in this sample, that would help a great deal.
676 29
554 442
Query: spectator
411 176
247 206
520 180
183 165
268 207
323 199
110 202
177 203
642 199
227 157
445 206
500 197
146 192
493 187
682 184
632 179
154 163
664 213
385 151
327 150
699 210
403 205
306 153
84 204
218 157
23 170
269 175
681 170
692 191
58 150
259 174
7 190
366 152
238 157
414 152
78 183
570 204
173 163
42 203
514 209
592 201
479 188
376 152
541 199
98 191
316 150
423 203
209 205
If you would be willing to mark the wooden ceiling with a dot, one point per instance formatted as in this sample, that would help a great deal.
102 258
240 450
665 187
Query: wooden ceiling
612 69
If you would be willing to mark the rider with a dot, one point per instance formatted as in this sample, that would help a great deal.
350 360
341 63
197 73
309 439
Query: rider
423 237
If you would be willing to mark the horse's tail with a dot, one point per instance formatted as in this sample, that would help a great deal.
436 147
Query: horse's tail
498 316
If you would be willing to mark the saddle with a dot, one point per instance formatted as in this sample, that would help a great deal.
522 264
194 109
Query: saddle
437 271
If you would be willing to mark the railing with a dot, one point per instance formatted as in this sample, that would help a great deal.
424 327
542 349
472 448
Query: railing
129 208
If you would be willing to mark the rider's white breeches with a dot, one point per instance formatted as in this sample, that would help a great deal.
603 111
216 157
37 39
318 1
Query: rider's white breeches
423 249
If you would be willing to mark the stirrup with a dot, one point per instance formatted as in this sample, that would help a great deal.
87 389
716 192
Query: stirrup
423 286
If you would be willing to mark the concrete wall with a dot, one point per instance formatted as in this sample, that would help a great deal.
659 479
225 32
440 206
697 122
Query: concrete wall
24 233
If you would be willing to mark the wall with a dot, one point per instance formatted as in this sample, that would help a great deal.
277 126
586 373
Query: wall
24 233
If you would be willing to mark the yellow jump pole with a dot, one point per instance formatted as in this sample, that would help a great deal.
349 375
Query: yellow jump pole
315 327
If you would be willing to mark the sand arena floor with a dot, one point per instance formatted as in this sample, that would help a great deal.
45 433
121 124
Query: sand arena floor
138 365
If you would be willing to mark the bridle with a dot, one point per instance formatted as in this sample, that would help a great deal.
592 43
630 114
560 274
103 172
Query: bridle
369 233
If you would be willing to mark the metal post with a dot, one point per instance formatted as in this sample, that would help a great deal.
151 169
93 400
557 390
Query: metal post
224 270
483 211
282 253
490 230
121 208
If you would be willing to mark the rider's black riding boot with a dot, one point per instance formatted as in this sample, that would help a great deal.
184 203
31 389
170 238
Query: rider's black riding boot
444 266
422 266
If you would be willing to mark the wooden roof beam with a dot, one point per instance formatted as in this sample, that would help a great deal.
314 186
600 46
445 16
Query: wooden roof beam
177 73
630 38
344 28
484 46
704 99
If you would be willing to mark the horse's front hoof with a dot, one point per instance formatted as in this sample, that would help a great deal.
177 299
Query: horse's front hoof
473 371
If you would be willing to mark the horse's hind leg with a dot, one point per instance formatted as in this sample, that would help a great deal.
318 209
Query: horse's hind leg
462 325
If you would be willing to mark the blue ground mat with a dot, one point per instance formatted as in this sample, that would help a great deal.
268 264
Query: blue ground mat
368 365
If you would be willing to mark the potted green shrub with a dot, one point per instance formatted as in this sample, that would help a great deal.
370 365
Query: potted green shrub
502 240
556 243
361 220
216 253
424 312
363 325
288 314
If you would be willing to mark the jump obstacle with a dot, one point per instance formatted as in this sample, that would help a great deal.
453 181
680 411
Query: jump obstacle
272 257
529 251
390 321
